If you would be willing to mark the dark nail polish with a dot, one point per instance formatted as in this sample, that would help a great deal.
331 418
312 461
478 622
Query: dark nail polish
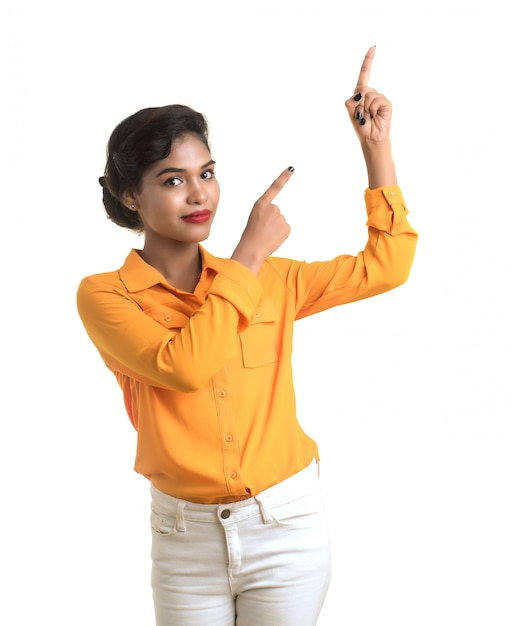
291 169
362 121
359 115
358 97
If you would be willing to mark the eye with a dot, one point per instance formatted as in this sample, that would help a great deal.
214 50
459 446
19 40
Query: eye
173 181
207 174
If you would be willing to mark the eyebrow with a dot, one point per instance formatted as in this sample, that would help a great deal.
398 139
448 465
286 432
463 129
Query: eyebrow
171 170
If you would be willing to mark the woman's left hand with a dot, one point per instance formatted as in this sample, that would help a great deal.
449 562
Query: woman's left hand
370 112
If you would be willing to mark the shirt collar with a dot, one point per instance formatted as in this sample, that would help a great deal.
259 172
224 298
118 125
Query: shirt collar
137 275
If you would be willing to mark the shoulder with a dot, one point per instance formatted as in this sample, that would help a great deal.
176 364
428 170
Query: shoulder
104 280
96 291
279 266
101 284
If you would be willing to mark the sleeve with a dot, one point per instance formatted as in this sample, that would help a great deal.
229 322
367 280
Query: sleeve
383 264
134 344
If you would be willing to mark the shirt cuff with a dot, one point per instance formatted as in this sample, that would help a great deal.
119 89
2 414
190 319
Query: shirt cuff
237 284
386 210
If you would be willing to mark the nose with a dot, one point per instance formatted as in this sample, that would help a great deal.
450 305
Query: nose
197 192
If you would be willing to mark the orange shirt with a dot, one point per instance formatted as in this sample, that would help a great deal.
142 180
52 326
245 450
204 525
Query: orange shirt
206 376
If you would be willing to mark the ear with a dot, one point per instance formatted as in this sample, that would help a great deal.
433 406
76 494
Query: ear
129 200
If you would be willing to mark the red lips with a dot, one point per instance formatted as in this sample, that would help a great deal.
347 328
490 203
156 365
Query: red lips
198 217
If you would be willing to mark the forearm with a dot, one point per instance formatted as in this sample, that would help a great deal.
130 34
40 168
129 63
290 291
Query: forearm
154 340
380 164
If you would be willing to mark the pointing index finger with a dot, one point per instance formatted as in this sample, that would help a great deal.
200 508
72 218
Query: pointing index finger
276 186
363 78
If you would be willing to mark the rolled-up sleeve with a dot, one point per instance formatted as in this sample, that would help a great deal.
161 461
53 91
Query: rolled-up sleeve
383 264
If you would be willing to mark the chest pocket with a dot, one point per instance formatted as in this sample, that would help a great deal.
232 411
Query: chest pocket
259 342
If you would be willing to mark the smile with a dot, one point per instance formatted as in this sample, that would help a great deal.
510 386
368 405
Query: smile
198 217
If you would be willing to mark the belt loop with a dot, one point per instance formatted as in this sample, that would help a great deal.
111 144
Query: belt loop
264 510
180 518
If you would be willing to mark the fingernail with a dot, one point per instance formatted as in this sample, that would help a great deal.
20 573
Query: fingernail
359 115
358 97
291 169
362 121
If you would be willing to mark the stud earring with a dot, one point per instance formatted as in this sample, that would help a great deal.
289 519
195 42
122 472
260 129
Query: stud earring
132 206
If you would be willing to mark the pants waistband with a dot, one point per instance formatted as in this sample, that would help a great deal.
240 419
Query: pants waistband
304 482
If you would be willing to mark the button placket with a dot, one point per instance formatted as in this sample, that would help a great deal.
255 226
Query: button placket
227 432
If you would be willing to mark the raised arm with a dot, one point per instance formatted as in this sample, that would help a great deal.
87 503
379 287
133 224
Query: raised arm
371 115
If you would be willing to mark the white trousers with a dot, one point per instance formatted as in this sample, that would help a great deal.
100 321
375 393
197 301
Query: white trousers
264 561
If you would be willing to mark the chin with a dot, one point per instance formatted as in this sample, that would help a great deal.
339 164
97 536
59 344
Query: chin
199 237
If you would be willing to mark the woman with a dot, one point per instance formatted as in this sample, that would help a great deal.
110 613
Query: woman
201 347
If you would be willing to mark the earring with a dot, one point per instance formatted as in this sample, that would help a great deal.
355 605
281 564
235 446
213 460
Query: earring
132 206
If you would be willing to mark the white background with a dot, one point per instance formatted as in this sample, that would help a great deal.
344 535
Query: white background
408 394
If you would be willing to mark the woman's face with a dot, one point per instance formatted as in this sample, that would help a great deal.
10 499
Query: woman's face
178 195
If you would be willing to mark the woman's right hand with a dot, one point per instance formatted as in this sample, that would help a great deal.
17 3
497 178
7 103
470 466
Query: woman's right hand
266 229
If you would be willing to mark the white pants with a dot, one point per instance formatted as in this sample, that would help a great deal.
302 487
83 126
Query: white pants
264 561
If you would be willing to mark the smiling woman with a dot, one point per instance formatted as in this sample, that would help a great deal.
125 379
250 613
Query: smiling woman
202 348
176 201
159 178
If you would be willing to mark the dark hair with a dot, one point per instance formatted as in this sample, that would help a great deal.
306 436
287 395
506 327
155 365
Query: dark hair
135 144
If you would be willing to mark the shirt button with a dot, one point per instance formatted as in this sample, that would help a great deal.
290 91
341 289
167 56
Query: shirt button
229 437
391 194
225 514
257 314
167 318
222 393
233 474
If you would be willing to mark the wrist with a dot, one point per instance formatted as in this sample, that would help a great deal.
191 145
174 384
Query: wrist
380 164
250 260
